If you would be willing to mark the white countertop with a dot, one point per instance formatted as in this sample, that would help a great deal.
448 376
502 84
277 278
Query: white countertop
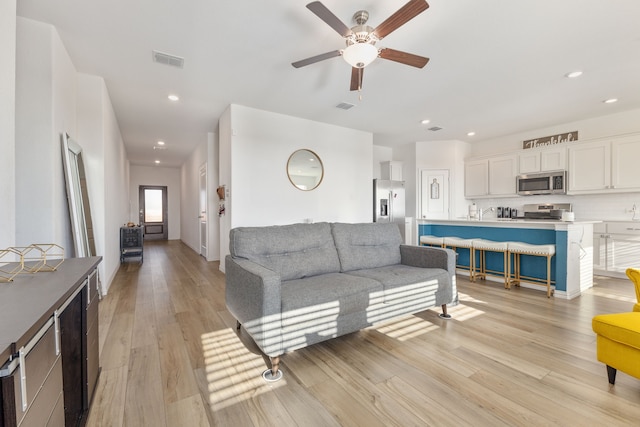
508 223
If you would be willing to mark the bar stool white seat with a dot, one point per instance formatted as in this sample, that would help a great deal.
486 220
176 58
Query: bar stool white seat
458 242
432 241
521 248
483 246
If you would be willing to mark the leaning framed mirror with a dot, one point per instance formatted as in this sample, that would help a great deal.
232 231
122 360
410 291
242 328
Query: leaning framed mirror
78 198
305 170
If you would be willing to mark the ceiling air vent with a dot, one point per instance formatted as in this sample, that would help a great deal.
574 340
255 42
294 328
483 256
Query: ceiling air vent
345 106
434 128
166 59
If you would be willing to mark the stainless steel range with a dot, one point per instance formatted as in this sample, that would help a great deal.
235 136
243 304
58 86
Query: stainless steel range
545 211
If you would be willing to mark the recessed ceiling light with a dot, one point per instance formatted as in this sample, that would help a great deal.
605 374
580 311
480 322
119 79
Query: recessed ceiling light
471 133
160 142
425 121
610 100
173 98
157 162
573 74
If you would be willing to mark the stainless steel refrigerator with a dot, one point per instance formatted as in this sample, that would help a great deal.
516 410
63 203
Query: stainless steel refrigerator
389 202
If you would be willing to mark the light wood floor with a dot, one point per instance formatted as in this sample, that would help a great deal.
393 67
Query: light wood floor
170 356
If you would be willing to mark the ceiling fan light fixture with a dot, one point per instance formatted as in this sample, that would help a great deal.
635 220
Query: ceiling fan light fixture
359 55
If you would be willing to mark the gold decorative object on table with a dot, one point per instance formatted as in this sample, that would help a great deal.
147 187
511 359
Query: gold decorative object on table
34 258
52 255
9 267
30 258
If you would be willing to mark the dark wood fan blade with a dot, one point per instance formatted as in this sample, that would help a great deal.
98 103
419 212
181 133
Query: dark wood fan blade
327 16
401 17
403 57
316 58
356 78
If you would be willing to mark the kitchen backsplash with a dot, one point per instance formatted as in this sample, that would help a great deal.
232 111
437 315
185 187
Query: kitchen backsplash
604 207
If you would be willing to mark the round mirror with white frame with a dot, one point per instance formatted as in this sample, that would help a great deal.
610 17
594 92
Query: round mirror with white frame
305 169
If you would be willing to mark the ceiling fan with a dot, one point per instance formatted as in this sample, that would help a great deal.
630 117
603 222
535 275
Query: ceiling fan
361 39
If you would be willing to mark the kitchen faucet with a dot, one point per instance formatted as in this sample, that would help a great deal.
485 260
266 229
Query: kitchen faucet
482 212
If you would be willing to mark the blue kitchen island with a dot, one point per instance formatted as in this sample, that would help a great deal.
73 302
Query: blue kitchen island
571 267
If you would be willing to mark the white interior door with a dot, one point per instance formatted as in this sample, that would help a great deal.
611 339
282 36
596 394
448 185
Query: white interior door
203 210
434 193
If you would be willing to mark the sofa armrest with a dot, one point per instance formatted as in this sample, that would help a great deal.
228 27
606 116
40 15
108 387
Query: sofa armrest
252 295
428 257
431 257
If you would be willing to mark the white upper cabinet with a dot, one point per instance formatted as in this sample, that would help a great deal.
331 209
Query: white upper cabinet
490 177
590 166
542 160
605 166
476 178
391 170
502 175
625 155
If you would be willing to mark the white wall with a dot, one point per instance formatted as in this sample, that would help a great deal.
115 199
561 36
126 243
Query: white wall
156 175
597 127
103 150
45 108
259 146
52 99
7 122
224 173
204 154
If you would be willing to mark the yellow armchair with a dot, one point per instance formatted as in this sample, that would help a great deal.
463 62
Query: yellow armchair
618 337
634 275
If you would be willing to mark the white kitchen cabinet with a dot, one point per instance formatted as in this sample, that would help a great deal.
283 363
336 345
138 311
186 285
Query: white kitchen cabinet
625 153
590 166
391 170
605 166
502 175
616 247
476 178
542 160
490 177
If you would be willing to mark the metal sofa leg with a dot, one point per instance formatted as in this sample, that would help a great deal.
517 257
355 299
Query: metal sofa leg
444 314
273 374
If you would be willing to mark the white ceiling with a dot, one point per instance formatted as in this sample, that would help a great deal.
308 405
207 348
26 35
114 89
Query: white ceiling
497 66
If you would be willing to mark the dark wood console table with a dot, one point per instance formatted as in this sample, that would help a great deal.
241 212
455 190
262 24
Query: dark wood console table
49 363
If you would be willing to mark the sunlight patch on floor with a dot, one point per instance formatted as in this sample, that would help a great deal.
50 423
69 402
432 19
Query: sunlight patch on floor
406 328
603 293
233 372
463 312
469 298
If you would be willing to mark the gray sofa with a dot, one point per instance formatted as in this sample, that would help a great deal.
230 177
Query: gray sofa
295 285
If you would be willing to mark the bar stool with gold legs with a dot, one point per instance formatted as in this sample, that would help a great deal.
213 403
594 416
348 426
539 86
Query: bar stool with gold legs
457 242
432 241
483 246
521 248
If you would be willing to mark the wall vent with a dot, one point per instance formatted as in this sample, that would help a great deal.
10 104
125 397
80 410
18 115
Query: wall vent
345 106
435 128
166 59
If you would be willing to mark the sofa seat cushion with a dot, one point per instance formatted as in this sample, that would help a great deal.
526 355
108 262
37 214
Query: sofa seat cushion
322 299
623 328
367 245
405 284
293 251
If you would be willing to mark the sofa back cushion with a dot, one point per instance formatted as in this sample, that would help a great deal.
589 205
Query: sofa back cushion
367 245
294 251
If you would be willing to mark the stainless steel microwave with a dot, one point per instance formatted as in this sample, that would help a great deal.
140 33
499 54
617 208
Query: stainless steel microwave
542 183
